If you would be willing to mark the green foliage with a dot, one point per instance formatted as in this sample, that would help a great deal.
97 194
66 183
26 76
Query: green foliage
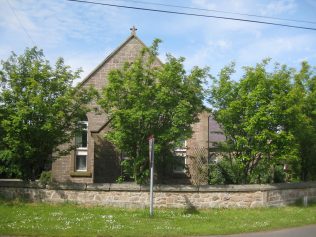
46 177
268 119
304 90
149 98
120 179
39 110
228 171
225 171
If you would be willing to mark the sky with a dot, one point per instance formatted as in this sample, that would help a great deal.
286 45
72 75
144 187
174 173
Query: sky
85 34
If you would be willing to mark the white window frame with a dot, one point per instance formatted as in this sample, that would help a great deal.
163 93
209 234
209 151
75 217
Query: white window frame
181 152
82 151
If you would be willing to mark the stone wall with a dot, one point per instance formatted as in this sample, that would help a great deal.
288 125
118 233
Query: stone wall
102 159
165 196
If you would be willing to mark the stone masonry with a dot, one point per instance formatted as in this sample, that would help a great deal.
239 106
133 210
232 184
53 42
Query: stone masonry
165 196
103 161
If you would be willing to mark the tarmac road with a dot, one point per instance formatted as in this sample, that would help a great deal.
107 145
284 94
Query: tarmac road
304 231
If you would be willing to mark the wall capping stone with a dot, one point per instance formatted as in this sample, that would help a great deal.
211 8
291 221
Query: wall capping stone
175 188
124 187
17 183
98 187
67 186
130 186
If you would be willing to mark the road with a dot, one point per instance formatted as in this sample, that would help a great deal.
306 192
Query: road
304 231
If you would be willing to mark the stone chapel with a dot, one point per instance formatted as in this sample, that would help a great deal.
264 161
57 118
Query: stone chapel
96 160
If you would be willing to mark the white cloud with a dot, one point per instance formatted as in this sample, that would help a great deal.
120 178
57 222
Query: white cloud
61 29
51 23
278 7
81 34
205 4
223 44
86 61
265 8
12 18
209 53
235 7
275 48
182 25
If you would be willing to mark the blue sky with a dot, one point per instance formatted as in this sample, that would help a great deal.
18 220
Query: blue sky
85 34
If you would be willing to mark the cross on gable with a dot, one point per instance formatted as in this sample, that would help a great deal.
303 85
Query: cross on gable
133 30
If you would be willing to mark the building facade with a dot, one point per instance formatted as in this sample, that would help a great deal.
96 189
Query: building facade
96 160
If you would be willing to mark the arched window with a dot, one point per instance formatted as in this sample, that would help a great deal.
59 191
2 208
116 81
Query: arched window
81 142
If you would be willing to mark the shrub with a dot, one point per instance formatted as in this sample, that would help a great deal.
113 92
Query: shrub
45 178
225 171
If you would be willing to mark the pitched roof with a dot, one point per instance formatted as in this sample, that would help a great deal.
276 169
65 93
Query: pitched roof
132 36
102 127
106 60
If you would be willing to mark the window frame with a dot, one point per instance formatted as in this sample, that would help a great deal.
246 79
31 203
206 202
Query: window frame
181 152
82 151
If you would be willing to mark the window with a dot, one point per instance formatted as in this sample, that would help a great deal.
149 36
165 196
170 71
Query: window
81 163
179 166
81 136
81 142
180 158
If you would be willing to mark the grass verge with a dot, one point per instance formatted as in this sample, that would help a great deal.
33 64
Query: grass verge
40 219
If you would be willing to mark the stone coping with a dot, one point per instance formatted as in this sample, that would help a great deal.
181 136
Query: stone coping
16 183
133 187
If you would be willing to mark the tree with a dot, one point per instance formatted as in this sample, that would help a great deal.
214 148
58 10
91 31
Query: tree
39 111
304 89
261 116
149 98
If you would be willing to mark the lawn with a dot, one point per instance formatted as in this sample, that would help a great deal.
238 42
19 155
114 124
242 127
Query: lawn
40 219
